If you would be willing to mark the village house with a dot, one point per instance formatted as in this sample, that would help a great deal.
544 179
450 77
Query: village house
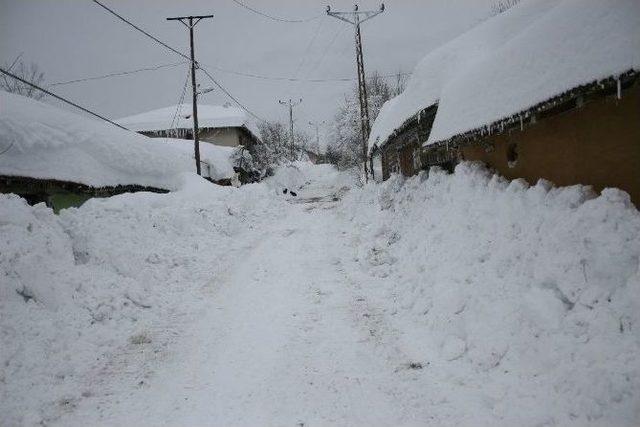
49 155
222 125
538 92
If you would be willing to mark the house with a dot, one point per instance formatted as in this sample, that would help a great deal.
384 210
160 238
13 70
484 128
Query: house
222 125
548 89
63 159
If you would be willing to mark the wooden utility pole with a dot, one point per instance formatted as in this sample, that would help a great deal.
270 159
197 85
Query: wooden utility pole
356 18
190 22
291 104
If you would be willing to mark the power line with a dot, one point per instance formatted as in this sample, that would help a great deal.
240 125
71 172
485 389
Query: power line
303 58
182 55
222 88
61 98
274 18
117 74
326 49
175 120
293 79
114 13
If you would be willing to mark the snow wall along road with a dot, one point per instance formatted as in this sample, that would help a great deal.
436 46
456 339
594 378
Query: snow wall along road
522 303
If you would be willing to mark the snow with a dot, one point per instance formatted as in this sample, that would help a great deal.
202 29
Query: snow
442 299
218 160
46 142
532 52
209 116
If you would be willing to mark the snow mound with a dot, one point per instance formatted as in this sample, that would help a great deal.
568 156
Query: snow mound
99 290
218 160
532 52
511 296
46 142
209 116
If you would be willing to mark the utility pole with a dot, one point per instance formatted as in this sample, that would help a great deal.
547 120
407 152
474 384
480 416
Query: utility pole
190 22
317 126
291 104
356 18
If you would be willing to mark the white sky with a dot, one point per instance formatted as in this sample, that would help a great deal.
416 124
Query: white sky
72 39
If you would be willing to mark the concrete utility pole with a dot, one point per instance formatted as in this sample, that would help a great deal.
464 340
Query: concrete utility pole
190 22
291 104
317 126
356 18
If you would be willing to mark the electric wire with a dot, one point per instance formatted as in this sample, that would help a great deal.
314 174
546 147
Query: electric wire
114 13
274 18
303 58
222 88
175 120
326 50
118 74
292 79
61 98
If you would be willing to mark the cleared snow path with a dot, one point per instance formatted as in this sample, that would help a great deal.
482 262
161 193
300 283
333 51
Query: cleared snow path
286 340
457 299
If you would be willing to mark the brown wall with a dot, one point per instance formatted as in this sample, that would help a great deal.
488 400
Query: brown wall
597 144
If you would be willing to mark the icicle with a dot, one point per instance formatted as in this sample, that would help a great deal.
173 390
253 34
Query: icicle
619 87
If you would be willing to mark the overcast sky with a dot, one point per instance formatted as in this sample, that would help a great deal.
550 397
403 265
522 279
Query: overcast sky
73 39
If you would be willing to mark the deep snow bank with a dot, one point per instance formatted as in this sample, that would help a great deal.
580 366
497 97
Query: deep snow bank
97 293
522 303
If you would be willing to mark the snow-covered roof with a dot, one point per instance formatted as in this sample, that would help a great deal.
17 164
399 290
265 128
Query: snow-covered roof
209 116
532 52
42 141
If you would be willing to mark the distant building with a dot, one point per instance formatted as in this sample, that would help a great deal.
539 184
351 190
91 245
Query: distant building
538 92
222 125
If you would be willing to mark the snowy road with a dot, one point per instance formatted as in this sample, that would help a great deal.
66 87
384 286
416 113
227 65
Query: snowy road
285 340
341 306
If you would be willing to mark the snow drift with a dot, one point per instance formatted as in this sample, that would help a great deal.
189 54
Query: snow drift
460 299
521 303
100 289
532 52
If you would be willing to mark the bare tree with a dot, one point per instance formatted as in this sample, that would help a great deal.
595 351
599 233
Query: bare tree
30 72
344 148
276 144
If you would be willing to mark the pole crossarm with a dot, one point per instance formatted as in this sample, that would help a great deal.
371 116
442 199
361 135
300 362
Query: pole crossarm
356 15
191 19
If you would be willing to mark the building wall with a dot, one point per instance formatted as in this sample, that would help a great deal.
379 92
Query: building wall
226 137
597 144
404 159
